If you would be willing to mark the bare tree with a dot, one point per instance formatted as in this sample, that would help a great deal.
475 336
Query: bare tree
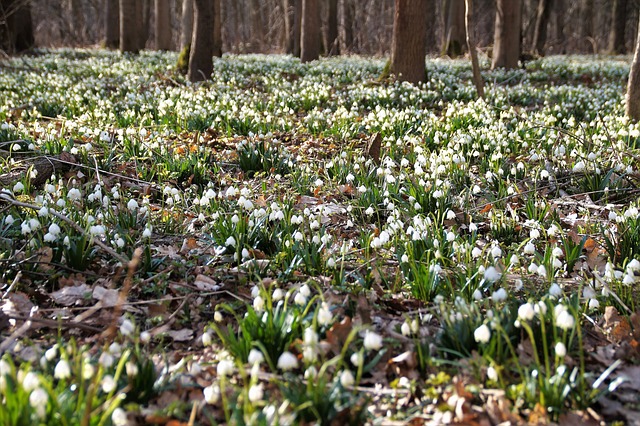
200 58
506 48
633 86
408 46
471 45
333 46
128 26
16 26
310 31
454 28
217 28
618 27
297 26
162 25
543 13
111 24
187 23
346 26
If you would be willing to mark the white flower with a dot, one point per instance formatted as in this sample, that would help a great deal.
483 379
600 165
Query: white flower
405 328
127 327
206 339
18 187
496 251
356 359
529 248
579 166
287 361
305 290
555 290
277 295
346 378
491 274
255 357
492 374
211 394
132 205
565 320
482 334
131 368
258 304
300 299
331 263
324 314
256 393
499 295
38 400
106 359
74 194
119 417
526 312
477 294
30 381
108 384
225 368
62 370
372 341
560 349
147 232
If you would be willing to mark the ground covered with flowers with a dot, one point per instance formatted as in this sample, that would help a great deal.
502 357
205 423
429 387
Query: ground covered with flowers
308 243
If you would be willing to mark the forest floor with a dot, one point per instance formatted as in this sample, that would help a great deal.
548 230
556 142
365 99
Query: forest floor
306 243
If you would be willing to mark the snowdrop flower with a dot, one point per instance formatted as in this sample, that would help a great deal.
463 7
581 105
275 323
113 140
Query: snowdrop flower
132 205
225 368
529 248
30 381
38 399
555 290
482 334
492 374
119 417
300 300
127 327
534 234
18 187
147 232
565 320
476 252
74 194
579 167
62 370
256 393
496 251
287 361
206 339
346 378
477 295
372 341
526 312
324 315
560 349
491 274
258 304
108 384
211 394
277 295
131 368
255 357
405 329
499 295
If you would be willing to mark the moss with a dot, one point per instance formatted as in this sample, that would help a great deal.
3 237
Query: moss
386 71
183 60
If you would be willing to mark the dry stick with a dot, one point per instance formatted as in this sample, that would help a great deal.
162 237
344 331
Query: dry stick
19 332
122 259
123 294
56 324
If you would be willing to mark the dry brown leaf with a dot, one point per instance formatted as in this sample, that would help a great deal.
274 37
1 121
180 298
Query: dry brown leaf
338 333
183 335
206 283
73 295
108 296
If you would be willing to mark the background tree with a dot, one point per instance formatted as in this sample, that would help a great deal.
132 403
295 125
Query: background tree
618 27
543 13
471 45
310 31
187 23
201 56
111 24
345 30
217 28
454 31
506 48
162 25
16 26
128 26
331 42
408 46
633 86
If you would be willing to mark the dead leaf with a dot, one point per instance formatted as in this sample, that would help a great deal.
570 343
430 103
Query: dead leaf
183 335
338 333
108 296
188 244
69 296
373 148
206 283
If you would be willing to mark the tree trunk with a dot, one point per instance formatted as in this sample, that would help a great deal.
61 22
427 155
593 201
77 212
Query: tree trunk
287 6
454 28
618 27
111 24
346 26
201 57
408 45
561 39
297 26
471 45
540 31
586 27
506 47
633 87
310 31
333 47
187 23
143 12
78 24
162 25
217 28
128 27
16 26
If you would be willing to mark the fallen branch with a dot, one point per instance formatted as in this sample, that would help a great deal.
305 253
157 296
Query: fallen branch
43 166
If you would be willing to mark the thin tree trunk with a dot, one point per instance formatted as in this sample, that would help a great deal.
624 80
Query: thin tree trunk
297 26
310 42
128 27
201 57
217 28
187 23
542 21
618 27
346 26
333 47
111 24
633 86
471 45
586 27
454 30
162 25
561 38
408 46
506 48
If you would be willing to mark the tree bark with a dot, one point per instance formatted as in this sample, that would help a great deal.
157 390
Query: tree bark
346 26
543 14
142 14
187 23
618 27
471 45
333 46
217 28
586 27
128 27
633 86
111 24
454 35
162 25
201 57
310 31
408 45
561 39
506 47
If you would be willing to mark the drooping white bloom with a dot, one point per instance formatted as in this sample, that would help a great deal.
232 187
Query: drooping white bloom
211 394
372 341
119 417
560 349
256 393
225 368
287 361
491 274
526 312
346 378
255 357
62 370
482 334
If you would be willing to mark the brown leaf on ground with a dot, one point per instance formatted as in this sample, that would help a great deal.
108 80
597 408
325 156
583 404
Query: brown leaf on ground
373 148
338 333
72 295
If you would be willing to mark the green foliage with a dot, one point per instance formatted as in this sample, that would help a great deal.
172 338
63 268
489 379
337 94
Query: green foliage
182 65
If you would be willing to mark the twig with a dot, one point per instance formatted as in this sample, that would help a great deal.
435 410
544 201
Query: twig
122 259
19 332
56 324
13 283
